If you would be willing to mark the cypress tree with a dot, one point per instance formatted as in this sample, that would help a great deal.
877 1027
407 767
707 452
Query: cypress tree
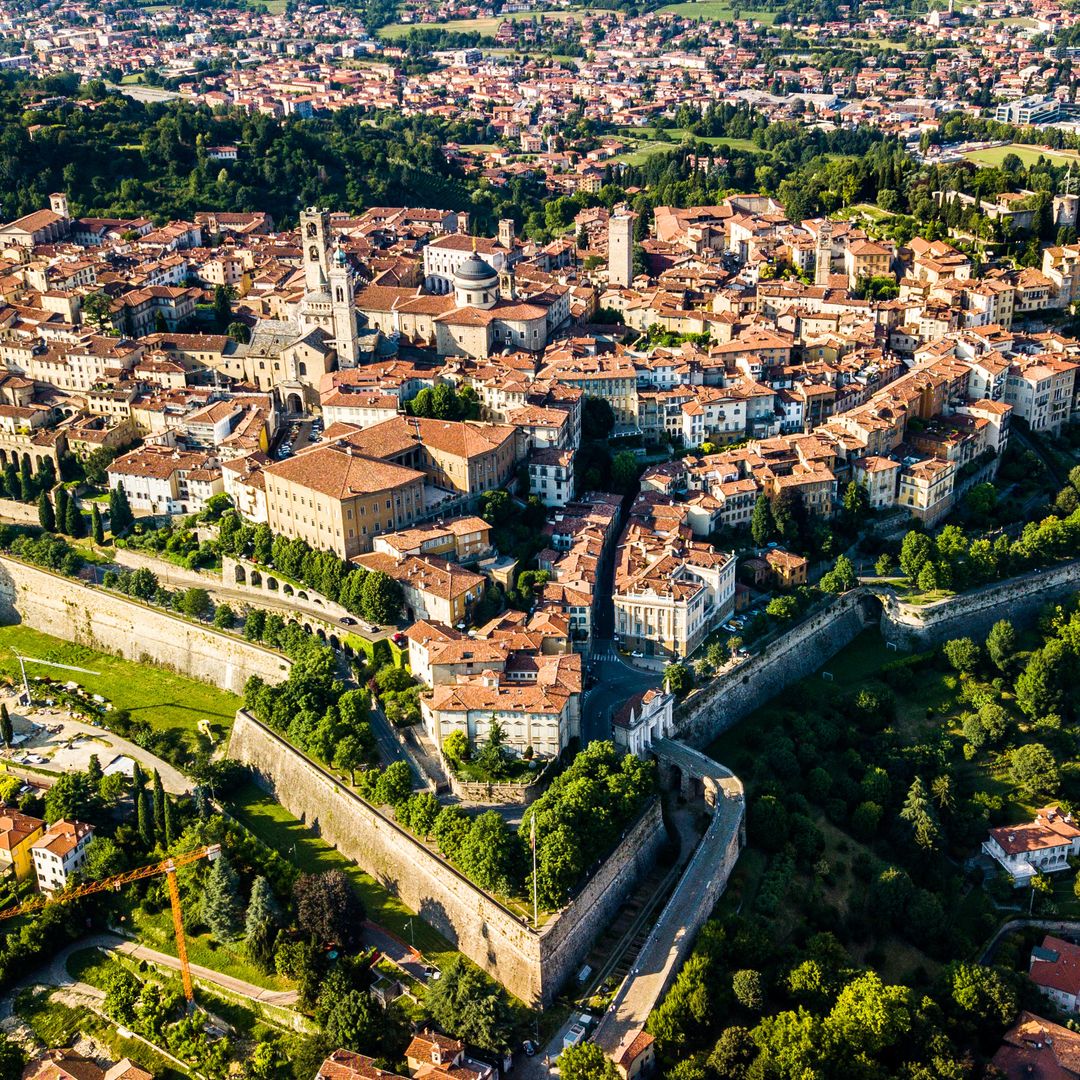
11 480
169 827
159 805
7 733
75 526
26 481
120 516
62 501
96 528
138 778
45 512
145 819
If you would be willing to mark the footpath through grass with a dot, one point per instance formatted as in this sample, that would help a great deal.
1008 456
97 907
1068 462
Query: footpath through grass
277 828
155 930
168 702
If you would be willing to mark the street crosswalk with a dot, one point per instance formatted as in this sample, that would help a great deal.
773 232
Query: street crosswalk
609 654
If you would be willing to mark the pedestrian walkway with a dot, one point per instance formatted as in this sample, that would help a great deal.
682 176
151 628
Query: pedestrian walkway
285 998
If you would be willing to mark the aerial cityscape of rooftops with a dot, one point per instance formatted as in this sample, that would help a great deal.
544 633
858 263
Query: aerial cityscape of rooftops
539 538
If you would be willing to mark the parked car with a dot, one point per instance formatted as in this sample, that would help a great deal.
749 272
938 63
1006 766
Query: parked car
529 1047
398 638
348 621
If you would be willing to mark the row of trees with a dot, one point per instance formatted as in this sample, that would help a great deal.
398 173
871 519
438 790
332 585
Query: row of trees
61 513
373 594
311 707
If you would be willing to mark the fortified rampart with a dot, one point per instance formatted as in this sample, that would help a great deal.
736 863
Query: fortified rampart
702 883
806 647
971 614
102 620
531 964
727 699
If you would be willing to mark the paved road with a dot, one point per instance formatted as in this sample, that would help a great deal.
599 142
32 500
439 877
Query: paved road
703 880
616 681
402 953
106 745
55 973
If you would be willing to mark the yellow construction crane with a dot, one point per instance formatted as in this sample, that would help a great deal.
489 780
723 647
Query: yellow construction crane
168 867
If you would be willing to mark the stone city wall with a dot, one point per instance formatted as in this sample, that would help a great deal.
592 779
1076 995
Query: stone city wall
806 647
115 624
971 614
794 655
532 965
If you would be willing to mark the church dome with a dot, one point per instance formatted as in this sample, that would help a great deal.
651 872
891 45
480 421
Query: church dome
474 270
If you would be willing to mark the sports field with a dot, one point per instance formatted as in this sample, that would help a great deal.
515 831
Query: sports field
718 11
1027 153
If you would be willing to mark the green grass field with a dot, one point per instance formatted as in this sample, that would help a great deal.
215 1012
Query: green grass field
168 702
645 147
1028 154
156 931
276 827
866 210
487 25
718 11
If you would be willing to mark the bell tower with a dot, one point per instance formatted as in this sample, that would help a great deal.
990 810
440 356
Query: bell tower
313 228
823 261
344 310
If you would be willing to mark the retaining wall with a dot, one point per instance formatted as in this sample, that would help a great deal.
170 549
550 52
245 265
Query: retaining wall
19 513
102 620
530 964
916 626
802 650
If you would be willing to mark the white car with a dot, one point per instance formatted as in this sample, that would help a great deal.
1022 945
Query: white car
637 655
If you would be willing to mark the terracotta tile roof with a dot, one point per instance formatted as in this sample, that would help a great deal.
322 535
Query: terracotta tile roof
345 1065
16 827
1050 829
338 471
63 837
1037 1049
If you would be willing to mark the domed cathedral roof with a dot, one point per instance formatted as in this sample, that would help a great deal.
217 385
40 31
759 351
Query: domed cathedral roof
474 270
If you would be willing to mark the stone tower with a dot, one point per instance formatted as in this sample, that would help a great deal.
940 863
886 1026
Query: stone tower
344 310
823 263
313 229
621 251
506 233
58 203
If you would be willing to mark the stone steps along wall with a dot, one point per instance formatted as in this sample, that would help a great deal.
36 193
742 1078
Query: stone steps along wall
971 614
119 625
531 965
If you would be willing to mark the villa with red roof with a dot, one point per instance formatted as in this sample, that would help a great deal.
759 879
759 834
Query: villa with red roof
1043 846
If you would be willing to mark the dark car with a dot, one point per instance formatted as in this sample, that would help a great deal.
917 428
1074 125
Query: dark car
529 1047
347 621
